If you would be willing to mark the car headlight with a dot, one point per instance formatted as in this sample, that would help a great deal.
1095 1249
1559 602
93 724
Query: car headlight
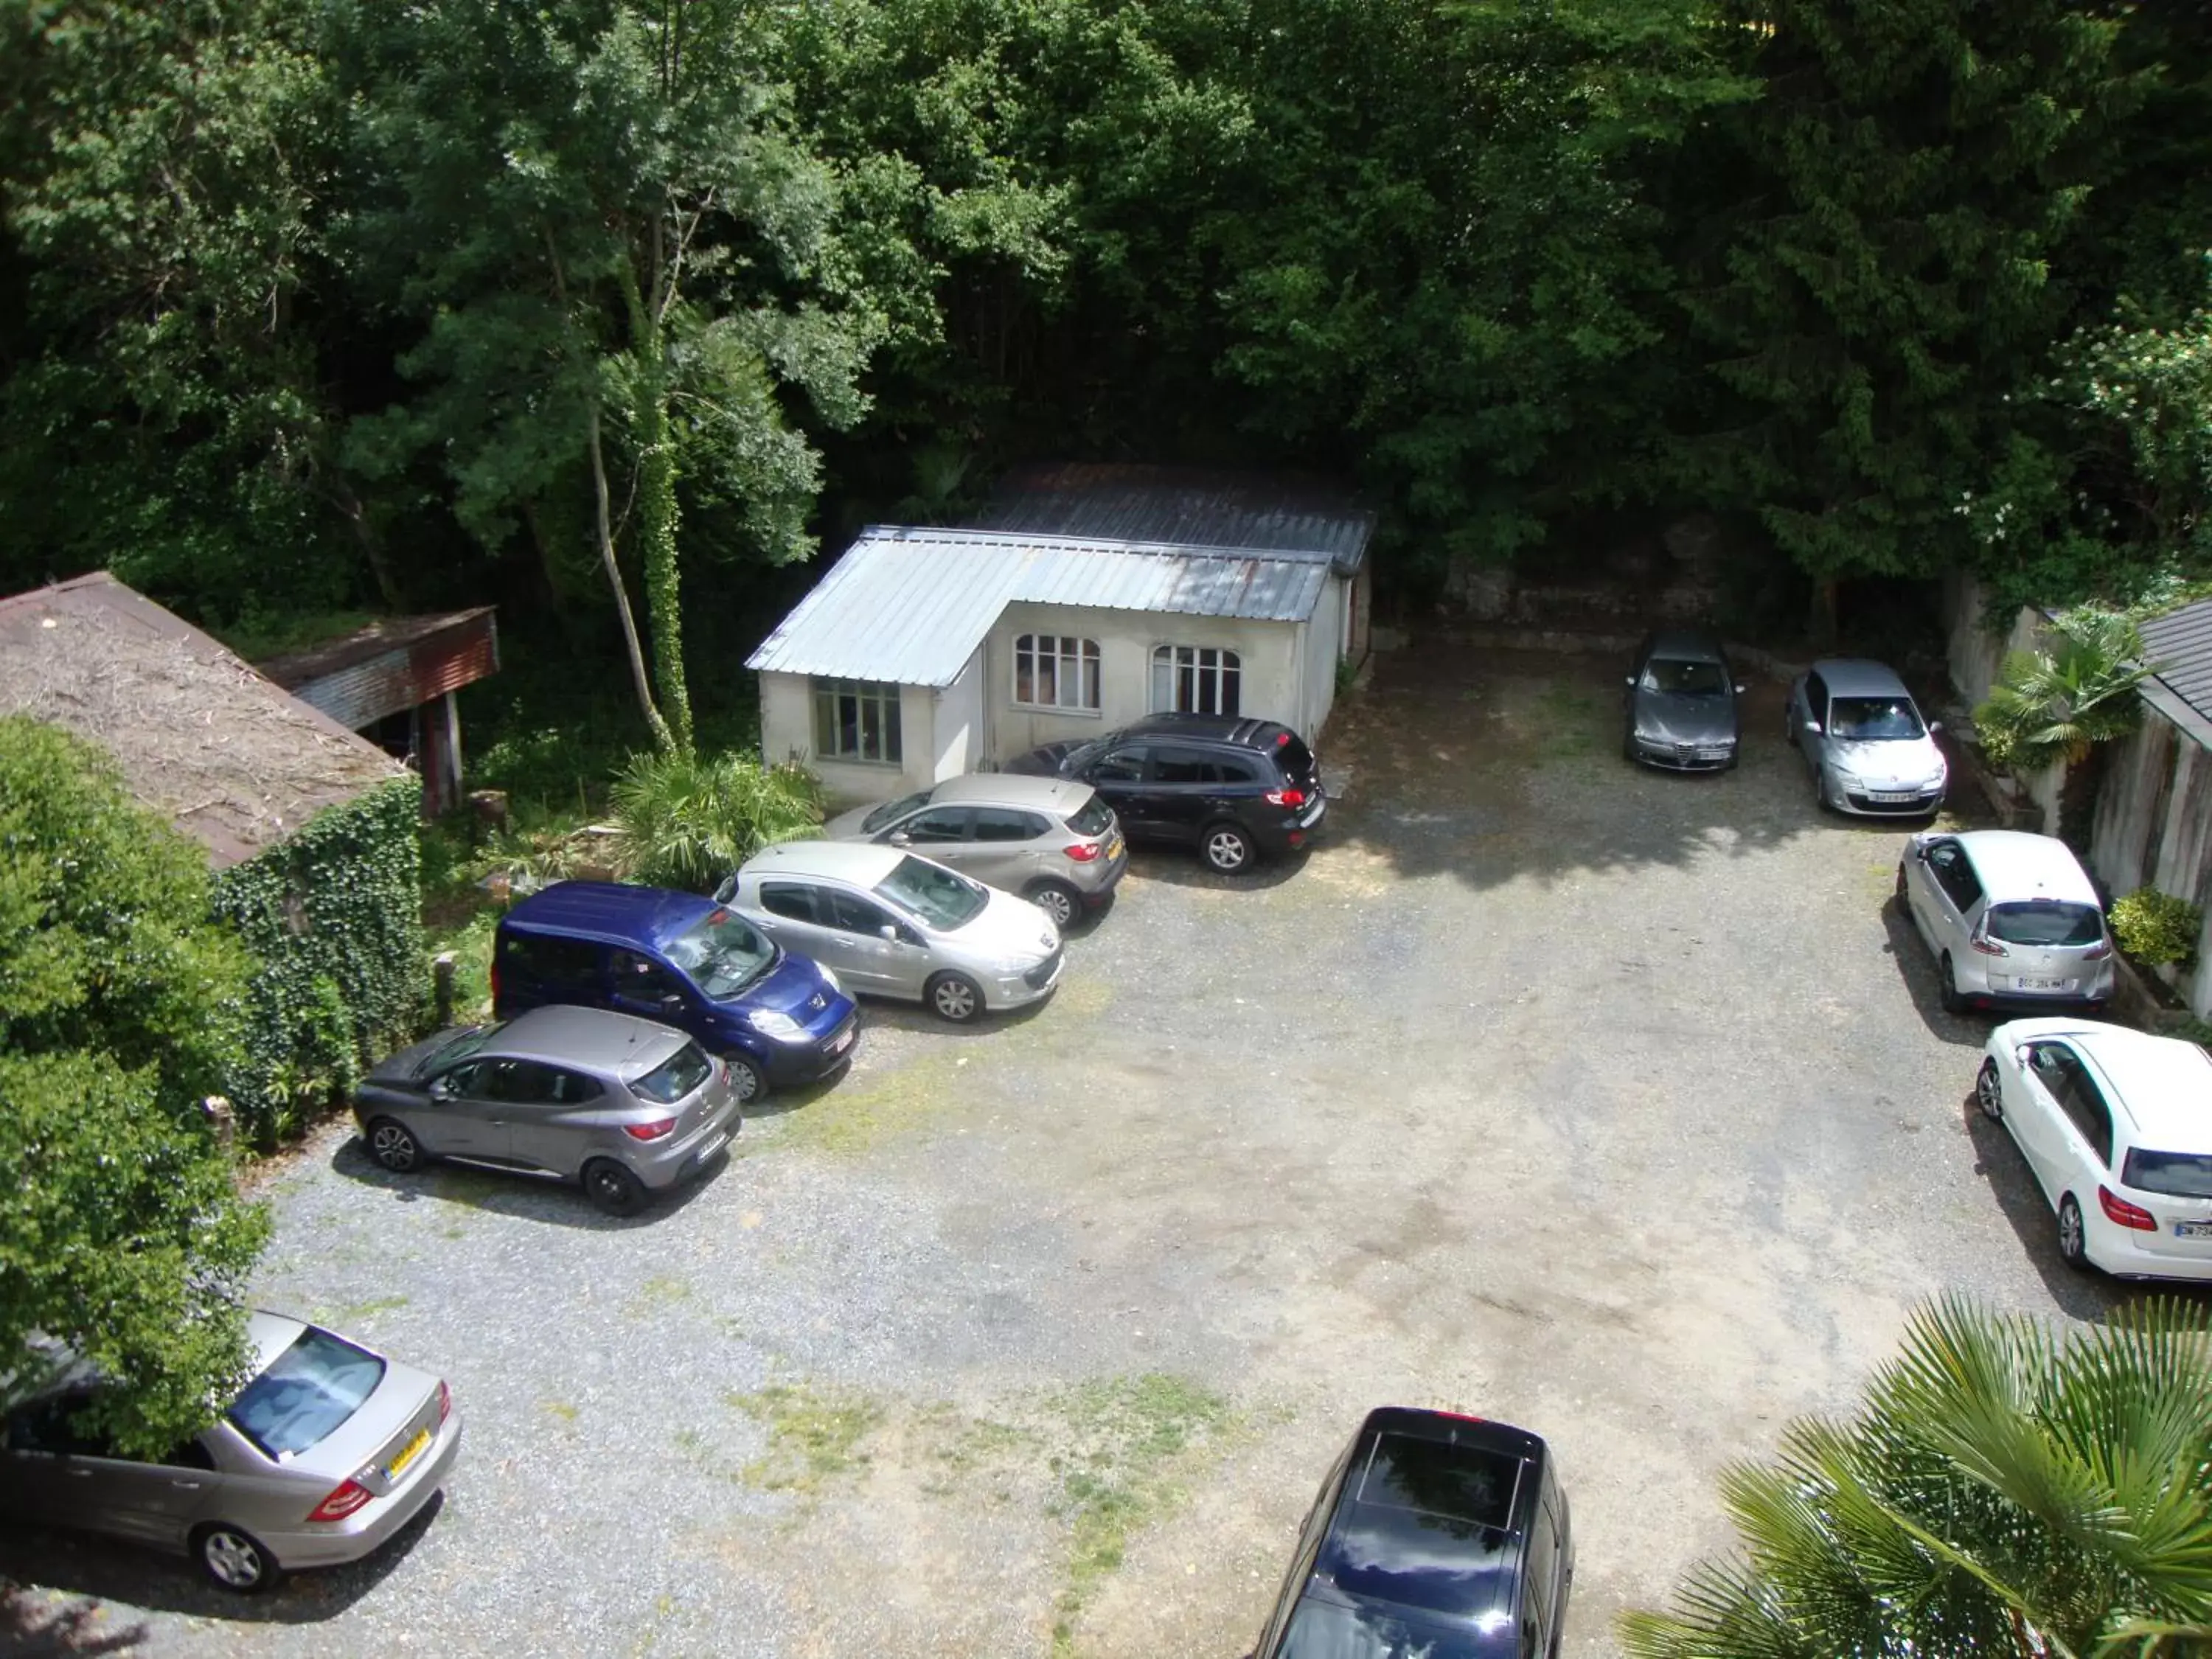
770 1023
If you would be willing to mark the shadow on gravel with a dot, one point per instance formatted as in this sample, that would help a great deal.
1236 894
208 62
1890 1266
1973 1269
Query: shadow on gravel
1173 869
66 1593
1918 970
496 1192
2082 1294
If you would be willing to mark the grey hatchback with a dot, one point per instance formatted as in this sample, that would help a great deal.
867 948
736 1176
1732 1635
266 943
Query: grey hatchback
620 1104
327 1452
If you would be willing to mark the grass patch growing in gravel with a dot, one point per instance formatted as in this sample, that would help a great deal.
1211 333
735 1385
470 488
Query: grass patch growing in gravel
847 1121
1125 1439
813 1434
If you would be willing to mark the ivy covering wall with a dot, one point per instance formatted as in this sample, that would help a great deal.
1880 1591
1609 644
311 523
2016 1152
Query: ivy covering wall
334 916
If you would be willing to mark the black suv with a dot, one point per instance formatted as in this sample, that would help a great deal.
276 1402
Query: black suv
1436 1535
1235 789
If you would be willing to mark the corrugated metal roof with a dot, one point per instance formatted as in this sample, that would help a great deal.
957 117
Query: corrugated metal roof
1286 516
910 605
2180 644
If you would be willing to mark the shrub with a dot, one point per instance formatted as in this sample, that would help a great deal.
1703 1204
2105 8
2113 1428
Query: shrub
687 820
121 1009
2156 928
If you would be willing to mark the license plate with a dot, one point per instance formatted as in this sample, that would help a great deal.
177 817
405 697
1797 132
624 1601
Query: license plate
1113 849
413 1449
713 1146
842 1041
2192 1230
1892 795
2040 984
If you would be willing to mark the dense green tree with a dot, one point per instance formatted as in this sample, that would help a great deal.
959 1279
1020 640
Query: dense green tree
122 1235
600 222
2002 1491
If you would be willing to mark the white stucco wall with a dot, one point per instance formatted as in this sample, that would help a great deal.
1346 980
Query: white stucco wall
958 728
1322 643
787 733
1267 653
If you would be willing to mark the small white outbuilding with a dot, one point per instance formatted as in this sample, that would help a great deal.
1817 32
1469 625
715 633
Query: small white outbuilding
1083 598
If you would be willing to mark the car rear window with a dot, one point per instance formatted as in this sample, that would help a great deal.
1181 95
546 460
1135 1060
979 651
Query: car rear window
1293 755
1092 817
306 1394
675 1076
2046 921
2178 1174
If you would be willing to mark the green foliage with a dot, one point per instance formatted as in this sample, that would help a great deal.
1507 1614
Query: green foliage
2000 1491
688 820
2156 928
120 1005
334 912
2054 704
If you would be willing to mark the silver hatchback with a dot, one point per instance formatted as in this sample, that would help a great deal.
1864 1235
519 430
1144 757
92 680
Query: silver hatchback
328 1451
892 925
622 1105
2011 919
1870 752
1053 840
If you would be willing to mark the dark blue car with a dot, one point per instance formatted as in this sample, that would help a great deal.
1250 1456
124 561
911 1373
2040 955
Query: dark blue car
1435 1536
780 1020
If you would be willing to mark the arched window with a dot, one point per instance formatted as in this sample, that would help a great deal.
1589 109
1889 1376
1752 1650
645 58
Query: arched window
1195 680
1055 671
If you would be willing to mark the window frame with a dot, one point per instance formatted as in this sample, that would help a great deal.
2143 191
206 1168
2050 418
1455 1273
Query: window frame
1084 659
1190 664
884 697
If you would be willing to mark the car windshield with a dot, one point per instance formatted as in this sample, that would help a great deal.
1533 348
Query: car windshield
892 810
1091 818
2178 1174
2046 921
723 953
940 899
1682 678
1872 720
305 1394
464 1043
1079 760
1324 1630
674 1077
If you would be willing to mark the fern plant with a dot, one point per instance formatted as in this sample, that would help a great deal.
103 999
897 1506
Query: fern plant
687 820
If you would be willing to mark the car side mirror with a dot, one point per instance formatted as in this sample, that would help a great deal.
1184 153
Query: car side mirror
671 1001
1934 726
439 1088
889 931
1628 680
1740 690
1813 727
899 838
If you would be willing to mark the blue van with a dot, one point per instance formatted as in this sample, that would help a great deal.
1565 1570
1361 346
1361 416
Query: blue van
777 1019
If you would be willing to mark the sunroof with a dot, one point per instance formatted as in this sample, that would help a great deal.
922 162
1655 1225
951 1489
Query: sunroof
1466 1484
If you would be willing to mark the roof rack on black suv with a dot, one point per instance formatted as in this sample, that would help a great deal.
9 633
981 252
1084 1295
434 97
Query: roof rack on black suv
1236 789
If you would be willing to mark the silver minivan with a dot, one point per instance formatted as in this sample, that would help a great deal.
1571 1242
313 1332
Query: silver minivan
2011 919
1055 840
893 924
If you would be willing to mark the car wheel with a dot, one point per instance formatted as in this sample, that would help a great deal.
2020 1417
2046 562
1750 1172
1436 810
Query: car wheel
233 1560
394 1146
746 1082
1227 848
1822 795
1628 746
2073 1239
1988 1092
1946 987
1058 901
612 1187
955 997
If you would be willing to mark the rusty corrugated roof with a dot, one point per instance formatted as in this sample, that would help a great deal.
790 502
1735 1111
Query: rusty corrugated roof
1287 515
231 758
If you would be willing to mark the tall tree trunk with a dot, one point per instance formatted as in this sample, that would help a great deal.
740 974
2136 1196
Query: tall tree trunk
662 734
656 511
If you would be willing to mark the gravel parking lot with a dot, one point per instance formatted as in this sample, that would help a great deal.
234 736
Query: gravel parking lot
1617 1105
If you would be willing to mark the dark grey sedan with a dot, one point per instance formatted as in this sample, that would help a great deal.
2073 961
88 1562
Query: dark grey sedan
622 1105
1682 704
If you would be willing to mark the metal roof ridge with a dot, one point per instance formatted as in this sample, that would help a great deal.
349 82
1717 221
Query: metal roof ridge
938 535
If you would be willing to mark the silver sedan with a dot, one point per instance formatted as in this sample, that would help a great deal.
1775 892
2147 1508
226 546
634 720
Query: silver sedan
892 925
327 1452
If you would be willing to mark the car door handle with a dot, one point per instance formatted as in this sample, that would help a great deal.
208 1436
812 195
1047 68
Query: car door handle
80 1475
185 1486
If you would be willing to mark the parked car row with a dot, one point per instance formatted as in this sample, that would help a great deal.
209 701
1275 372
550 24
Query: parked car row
1866 746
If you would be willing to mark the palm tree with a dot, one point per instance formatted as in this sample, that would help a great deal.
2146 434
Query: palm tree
2000 1492
2055 705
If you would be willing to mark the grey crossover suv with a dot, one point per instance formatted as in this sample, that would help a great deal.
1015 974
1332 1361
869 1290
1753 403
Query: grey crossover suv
622 1105
327 1452
1053 841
